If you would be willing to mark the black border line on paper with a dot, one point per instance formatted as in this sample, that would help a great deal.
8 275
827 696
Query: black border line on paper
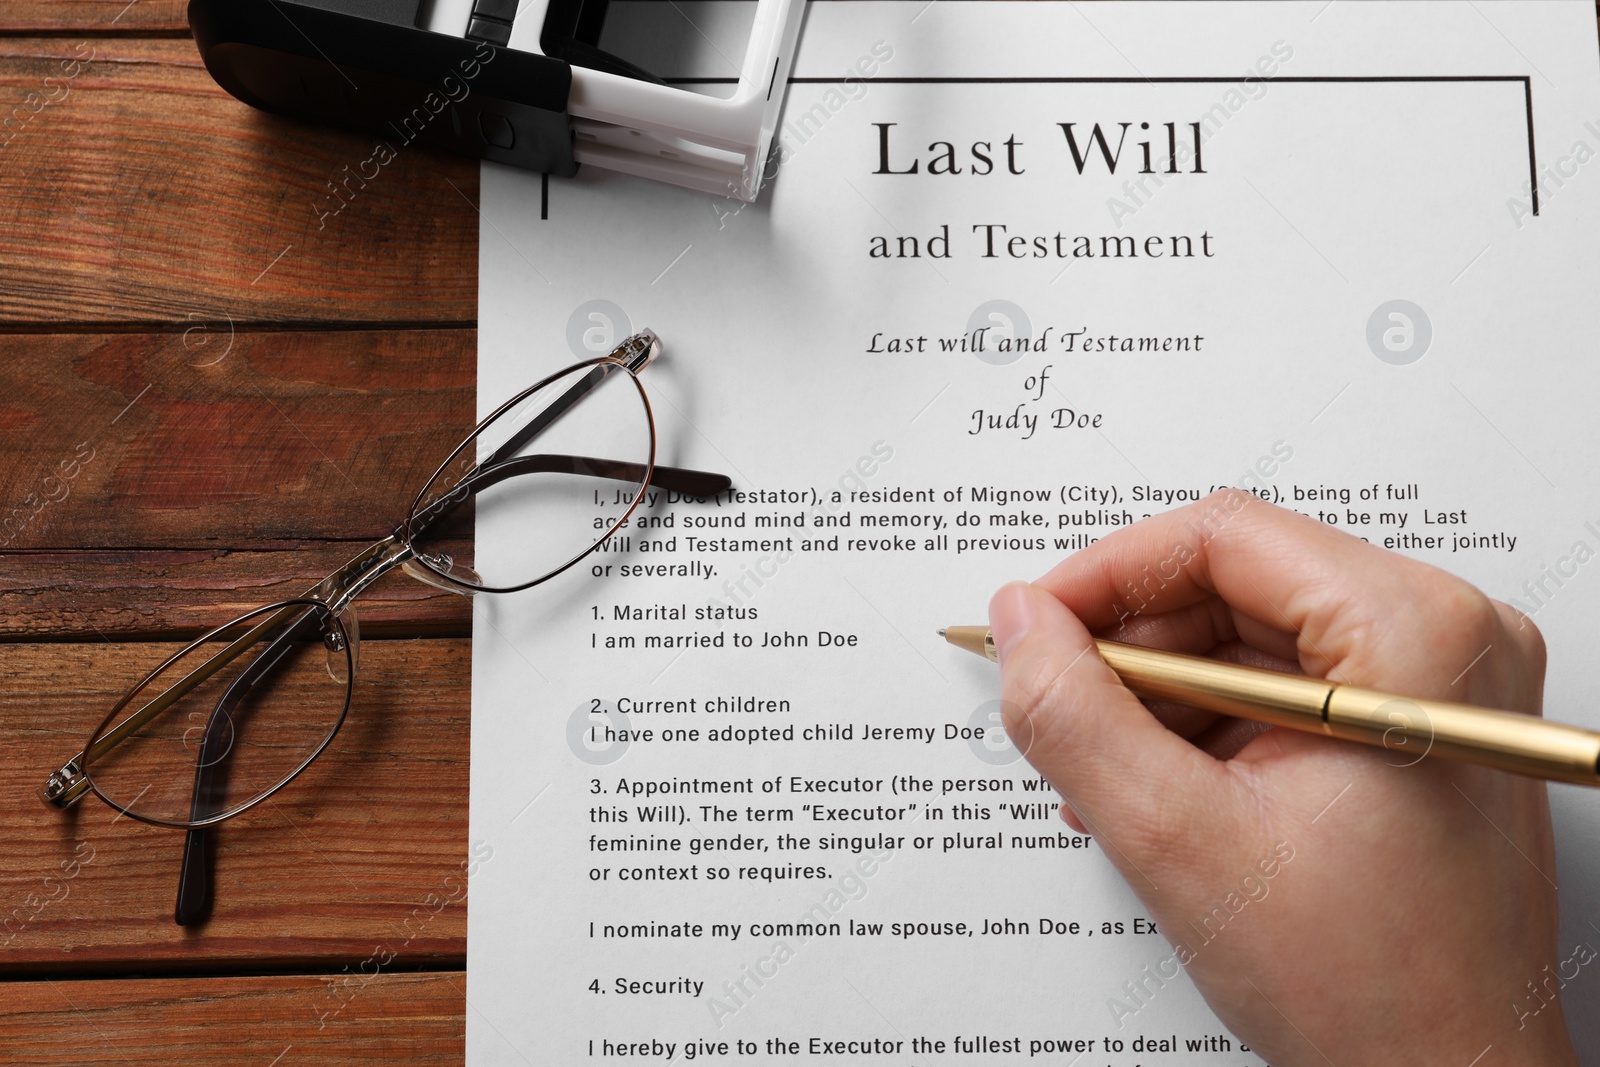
1526 80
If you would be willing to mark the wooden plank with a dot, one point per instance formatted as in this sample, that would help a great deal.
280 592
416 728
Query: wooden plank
133 593
363 849
224 440
165 483
394 1019
135 190
94 16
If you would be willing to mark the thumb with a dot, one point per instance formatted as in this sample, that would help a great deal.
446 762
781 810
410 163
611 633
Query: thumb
1137 786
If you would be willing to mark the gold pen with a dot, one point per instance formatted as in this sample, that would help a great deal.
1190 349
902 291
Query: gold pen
1504 740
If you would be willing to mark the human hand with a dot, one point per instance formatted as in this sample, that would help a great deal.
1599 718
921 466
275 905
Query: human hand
1333 902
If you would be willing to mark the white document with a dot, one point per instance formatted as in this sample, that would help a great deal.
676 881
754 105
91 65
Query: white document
1024 273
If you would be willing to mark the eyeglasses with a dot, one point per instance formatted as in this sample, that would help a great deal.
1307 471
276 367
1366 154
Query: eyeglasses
235 715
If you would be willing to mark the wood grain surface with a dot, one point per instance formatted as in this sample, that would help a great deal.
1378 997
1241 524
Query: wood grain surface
120 203
163 483
142 17
394 1019
136 594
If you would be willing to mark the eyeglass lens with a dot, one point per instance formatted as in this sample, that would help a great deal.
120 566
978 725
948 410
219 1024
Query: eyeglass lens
239 712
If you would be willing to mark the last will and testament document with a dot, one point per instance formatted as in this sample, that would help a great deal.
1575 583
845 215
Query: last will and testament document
1022 275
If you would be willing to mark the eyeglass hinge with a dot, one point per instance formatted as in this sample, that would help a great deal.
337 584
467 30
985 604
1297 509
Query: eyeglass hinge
637 351
66 785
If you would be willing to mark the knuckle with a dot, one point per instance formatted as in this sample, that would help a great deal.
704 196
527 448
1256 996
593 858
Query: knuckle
1473 618
1478 622
1526 633
1228 501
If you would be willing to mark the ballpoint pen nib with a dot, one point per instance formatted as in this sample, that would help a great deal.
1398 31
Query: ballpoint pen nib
941 633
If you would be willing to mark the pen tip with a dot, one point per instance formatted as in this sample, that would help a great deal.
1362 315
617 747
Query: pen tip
941 633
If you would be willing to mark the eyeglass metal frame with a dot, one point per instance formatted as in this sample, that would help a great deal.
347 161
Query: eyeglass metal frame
329 603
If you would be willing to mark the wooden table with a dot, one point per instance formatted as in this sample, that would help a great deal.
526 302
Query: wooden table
246 385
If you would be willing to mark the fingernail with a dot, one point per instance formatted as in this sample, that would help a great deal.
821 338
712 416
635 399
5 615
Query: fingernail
1011 615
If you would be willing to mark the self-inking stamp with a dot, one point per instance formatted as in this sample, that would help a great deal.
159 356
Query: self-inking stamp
520 83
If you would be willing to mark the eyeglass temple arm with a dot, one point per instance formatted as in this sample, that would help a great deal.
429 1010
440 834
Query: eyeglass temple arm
677 479
194 878
558 407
